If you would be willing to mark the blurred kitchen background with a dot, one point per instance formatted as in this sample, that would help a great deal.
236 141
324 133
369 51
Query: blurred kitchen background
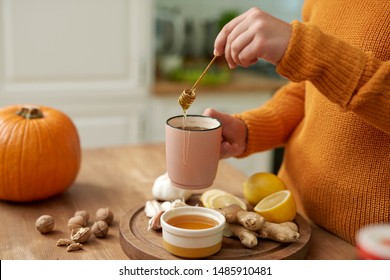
117 67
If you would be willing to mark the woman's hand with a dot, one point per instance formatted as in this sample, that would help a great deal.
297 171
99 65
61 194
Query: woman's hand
253 35
234 133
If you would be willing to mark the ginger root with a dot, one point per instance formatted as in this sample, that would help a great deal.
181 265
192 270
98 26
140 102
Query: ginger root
249 220
230 213
284 232
290 225
249 226
247 237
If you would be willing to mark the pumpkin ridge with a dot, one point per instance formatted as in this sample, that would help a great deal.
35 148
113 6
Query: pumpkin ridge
7 180
24 137
56 174
38 134
4 142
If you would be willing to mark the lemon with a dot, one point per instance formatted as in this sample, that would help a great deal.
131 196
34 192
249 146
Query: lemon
204 198
224 200
259 185
278 207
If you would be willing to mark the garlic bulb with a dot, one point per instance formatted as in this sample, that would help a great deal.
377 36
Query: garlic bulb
154 210
164 190
152 207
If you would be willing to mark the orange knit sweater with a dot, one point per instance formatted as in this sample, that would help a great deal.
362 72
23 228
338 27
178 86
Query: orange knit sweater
333 118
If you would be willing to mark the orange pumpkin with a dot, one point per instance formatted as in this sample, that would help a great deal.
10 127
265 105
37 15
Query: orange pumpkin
40 152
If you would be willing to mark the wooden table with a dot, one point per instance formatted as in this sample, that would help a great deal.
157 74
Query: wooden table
118 178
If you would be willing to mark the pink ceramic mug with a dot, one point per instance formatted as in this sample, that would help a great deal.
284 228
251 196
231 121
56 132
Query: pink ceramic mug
192 153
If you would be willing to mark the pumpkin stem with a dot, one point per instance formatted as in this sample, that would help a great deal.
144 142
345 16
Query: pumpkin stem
30 113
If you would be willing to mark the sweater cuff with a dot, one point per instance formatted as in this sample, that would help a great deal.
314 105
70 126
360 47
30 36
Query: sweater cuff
260 138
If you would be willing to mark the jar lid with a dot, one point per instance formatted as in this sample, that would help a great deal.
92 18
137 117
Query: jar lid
373 242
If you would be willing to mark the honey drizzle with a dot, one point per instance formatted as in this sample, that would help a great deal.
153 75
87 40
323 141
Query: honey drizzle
186 145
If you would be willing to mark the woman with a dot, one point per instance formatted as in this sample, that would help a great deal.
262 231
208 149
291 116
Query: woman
333 117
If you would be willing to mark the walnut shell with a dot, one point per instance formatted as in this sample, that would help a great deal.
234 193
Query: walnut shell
100 229
45 223
75 222
80 235
105 214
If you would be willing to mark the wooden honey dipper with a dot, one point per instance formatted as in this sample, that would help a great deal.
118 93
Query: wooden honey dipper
188 95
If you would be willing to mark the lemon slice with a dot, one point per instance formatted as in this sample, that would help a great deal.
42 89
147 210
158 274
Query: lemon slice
224 200
205 197
278 207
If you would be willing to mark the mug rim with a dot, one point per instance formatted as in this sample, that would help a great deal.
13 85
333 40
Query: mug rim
193 115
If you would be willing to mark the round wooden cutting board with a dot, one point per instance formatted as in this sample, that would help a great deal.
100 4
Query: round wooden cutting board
142 244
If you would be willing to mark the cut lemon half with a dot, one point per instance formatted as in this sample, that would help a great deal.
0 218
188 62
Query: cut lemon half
278 207
260 185
224 200
205 197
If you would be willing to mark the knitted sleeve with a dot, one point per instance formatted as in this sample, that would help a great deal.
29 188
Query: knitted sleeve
353 79
270 125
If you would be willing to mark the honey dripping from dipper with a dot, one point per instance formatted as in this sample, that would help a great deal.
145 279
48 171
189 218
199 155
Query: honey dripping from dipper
187 97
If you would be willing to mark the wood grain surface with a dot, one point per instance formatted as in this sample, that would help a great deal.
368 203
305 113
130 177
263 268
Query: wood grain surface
120 178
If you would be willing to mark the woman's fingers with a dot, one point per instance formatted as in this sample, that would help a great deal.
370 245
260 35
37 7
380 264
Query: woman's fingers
225 149
240 42
220 41
253 35
234 133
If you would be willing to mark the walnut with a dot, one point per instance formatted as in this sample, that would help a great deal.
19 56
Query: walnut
105 214
80 235
100 229
74 247
45 223
75 222
85 215
64 242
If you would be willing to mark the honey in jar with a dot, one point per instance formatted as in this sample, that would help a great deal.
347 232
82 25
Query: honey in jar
192 222
192 232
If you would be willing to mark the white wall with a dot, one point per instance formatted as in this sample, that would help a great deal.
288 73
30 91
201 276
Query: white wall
90 59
